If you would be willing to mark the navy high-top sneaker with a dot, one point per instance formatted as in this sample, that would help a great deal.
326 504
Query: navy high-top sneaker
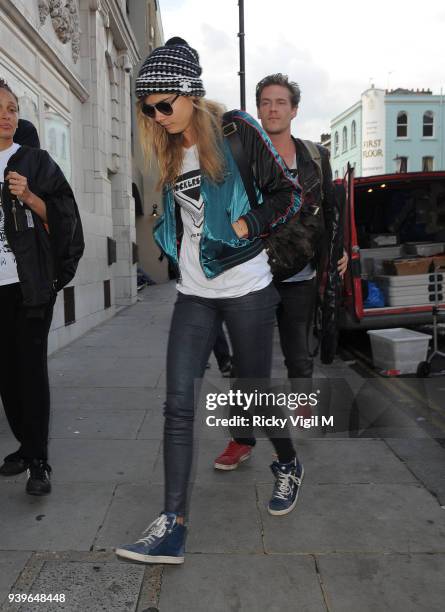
288 477
162 542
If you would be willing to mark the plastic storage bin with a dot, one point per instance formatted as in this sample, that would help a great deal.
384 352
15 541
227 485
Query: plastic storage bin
398 349
372 259
425 249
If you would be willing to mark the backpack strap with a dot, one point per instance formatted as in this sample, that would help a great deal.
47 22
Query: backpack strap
230 132
315 155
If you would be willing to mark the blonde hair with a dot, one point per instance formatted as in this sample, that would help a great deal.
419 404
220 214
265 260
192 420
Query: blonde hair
168 148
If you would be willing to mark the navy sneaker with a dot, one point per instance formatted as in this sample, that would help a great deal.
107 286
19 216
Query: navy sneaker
163 542
288 477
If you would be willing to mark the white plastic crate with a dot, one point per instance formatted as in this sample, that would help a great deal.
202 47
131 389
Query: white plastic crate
398 349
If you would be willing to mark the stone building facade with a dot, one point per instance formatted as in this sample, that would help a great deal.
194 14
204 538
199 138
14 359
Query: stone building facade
70 62
145 19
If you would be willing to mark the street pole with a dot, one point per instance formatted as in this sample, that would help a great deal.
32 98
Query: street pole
242 59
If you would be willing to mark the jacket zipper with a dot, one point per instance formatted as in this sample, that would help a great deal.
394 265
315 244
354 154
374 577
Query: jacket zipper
14 213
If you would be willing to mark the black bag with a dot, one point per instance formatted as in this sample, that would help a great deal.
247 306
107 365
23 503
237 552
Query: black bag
292 245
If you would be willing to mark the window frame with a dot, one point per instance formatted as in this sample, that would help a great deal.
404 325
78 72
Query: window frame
402 125
428 113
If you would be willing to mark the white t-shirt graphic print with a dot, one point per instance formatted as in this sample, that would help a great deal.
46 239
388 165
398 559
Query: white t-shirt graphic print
8 266
252 275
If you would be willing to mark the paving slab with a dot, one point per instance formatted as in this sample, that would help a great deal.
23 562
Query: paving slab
68 519
356 518
131 510
351 461
90 423
108 587
127 372
82 460
245 583
11 564
254 469
384 583
426 460
217 526
105 398
152 427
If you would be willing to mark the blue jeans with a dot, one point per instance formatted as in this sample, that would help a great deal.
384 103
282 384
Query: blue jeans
195 323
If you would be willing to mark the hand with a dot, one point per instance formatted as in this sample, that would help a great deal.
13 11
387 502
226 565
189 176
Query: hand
240 228
18 186
342 264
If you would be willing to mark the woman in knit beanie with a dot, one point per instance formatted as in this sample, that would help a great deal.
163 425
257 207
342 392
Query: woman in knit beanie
212 235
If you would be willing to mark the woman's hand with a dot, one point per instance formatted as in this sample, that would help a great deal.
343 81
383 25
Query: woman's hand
342 264
18 186
240 228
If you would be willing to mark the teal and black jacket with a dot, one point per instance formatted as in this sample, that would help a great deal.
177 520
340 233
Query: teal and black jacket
279 199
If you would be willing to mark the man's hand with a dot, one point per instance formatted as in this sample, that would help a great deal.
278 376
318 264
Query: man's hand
342 264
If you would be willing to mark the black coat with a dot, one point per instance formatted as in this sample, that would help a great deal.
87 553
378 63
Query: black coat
332 200
46 258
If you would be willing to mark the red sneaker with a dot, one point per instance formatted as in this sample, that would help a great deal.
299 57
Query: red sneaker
232 456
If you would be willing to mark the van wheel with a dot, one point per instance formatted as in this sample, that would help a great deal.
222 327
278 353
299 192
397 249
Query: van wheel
423 369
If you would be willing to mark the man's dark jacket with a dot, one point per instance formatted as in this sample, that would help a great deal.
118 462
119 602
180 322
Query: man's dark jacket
46 257
331 199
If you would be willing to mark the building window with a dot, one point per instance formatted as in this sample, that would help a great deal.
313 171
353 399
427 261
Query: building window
336 143
69 305
402 125
107 294
427 164
428 124
353 134
401 164
344 140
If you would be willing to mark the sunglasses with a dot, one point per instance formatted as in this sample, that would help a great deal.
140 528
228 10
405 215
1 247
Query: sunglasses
163 107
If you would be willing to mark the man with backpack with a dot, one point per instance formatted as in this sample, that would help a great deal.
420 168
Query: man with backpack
277 101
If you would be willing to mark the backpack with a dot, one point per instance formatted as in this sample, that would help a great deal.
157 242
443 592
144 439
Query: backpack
292 245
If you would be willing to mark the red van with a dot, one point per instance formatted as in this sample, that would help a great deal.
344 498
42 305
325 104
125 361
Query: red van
389 220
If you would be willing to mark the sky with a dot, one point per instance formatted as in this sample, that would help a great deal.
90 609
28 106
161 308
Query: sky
333 50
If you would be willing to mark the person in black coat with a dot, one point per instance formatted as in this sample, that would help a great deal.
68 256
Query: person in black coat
41 242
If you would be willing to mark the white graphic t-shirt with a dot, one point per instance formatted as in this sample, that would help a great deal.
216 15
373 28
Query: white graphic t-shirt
8 267
249 276
308 272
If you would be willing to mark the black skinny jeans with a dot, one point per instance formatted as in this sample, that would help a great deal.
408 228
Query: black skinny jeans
24 386
250 321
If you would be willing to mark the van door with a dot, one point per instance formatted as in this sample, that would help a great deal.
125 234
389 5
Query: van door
353 296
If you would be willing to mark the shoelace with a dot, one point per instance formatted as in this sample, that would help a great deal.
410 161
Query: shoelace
283 484
39 471
155 530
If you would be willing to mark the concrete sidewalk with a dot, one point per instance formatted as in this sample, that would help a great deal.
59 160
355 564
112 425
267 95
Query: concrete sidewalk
368 532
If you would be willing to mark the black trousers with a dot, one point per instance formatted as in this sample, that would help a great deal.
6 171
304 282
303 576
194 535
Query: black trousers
24 385
294 315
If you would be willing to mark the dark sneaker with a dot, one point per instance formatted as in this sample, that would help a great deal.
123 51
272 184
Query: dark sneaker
163 542
288 477
232 456
38 478
14 464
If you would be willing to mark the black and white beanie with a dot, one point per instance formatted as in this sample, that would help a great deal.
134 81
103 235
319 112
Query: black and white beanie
173 68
